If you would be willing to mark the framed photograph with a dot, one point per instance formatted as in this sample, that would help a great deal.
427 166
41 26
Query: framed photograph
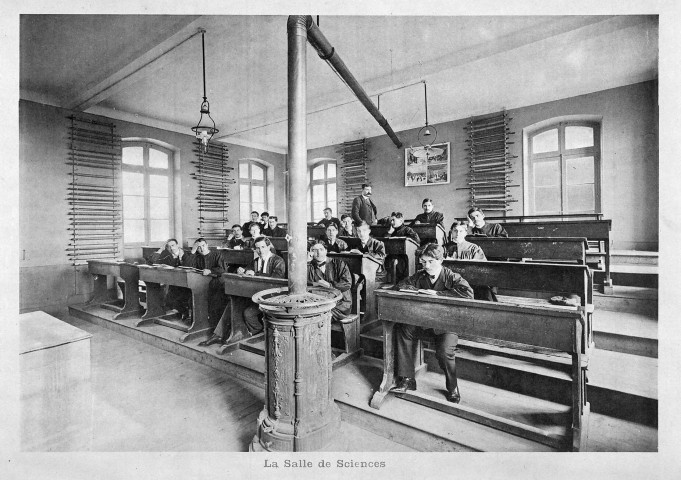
426 165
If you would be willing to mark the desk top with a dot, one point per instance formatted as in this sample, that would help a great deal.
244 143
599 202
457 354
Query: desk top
39 330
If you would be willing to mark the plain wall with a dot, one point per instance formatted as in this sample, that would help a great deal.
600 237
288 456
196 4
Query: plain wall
629 163
47 279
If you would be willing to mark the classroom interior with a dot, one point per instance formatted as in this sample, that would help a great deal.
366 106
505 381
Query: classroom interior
142 76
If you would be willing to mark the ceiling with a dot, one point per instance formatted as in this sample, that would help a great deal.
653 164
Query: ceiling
147 68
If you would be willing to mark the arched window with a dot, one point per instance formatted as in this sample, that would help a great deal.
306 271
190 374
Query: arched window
252 188
147 180
322 188
563 168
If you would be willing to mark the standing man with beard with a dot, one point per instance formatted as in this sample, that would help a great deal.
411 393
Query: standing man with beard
363 208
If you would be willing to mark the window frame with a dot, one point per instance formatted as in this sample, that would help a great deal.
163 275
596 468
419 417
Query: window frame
250 181
563 154
323 181
147 171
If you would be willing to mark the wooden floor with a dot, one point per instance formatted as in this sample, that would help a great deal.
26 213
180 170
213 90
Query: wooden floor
148 399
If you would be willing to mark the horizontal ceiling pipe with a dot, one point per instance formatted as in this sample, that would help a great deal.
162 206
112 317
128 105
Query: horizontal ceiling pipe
328 53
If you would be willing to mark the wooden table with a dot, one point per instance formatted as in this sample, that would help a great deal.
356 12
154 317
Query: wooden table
241 289
100 270
155 277
56 396
543 326
544 249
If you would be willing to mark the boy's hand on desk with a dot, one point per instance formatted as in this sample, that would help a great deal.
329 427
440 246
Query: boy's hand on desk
206 271
250 272
240 270
354 250
322 283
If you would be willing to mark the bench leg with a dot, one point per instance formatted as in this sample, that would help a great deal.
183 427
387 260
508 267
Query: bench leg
351 332
388 381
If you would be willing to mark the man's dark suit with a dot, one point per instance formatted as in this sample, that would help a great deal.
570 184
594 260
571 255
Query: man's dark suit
363 209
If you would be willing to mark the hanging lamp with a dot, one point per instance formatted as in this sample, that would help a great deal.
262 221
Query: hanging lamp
204 130
427 134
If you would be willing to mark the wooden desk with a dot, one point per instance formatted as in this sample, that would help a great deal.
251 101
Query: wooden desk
559 217
426 232
366 267
241 289
596 231
546 327
129 273
239 258
545 249
55 388
402 247
316 231
279 243
155 277
548 278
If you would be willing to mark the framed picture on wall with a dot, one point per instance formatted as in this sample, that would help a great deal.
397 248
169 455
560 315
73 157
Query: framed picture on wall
426 165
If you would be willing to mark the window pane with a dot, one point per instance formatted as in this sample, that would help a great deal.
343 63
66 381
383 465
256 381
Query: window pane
244 190
547 200
580 170
244 212
158 186
159 208
257 173
133 155
133 231
318 194
133 207
331 194
243 170
331 170
133 183
579 137
545 142
318 172
159 230
258 207
158 159
318 209
580 198
258 192
547 173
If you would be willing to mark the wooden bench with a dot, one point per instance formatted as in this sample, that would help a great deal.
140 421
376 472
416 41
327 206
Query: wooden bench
155 277
597 233
426 232
545 249
241 289
546 327
395 247
129 273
